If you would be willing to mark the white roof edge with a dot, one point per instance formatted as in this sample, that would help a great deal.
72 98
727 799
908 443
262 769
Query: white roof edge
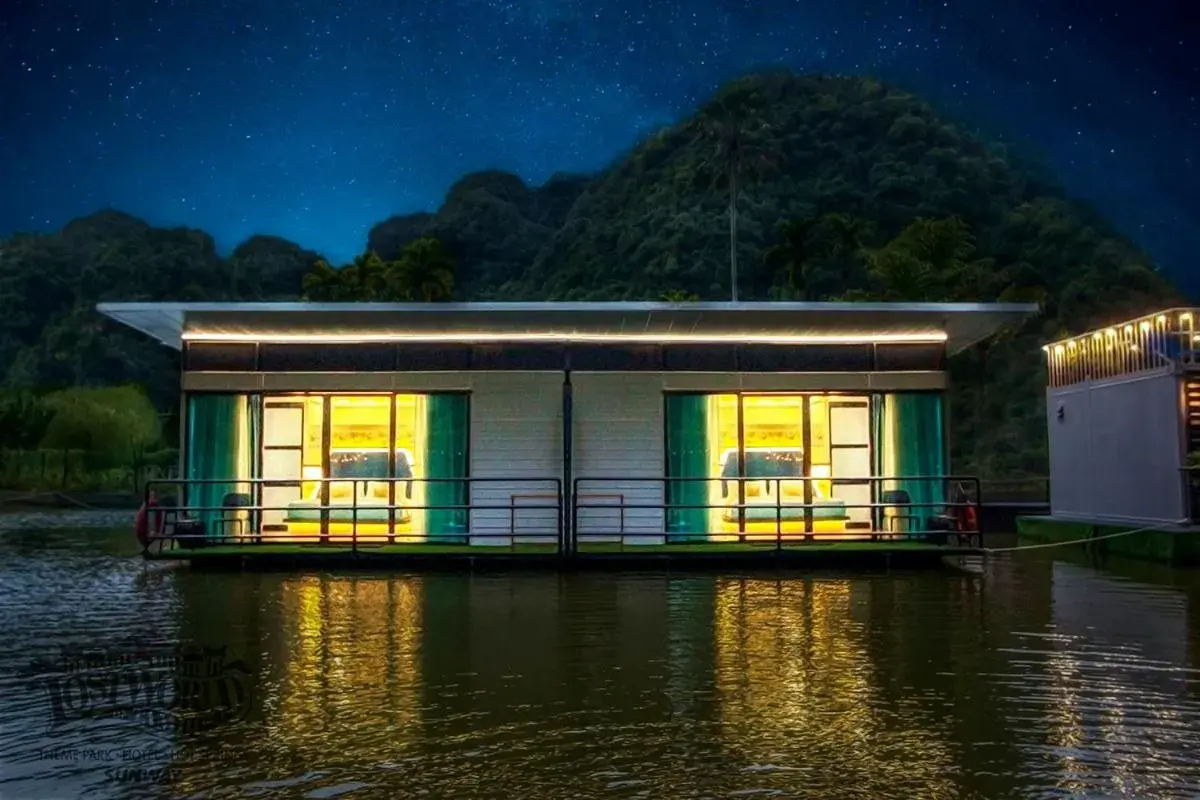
614 306
966 323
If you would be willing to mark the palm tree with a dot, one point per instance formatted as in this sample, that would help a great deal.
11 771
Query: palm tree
424 272
322 282
736 153
363 279
930 260
843 235
366 278
791 255
815 250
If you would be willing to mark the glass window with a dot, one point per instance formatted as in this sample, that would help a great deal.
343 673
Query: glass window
768 463
848 465
331 458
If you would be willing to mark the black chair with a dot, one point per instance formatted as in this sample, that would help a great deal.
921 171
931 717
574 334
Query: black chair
900 502
190 533
231 505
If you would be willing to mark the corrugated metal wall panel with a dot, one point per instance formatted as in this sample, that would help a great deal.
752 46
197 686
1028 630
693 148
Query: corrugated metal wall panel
516 433
619 434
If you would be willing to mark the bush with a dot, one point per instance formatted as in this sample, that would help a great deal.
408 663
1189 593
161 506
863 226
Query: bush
114 426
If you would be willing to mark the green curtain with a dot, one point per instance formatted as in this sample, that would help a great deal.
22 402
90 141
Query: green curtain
917 449
446 457
212 454
687 457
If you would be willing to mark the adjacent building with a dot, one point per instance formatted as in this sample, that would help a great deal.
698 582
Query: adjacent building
1123 415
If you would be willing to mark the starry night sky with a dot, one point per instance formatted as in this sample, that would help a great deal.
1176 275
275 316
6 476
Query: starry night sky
314 119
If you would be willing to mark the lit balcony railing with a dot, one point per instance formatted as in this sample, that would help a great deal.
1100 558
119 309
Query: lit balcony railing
1156 340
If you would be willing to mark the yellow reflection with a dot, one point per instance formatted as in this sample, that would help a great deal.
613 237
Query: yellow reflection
352 670
792 666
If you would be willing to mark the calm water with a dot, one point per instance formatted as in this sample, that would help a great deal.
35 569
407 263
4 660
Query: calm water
1036 678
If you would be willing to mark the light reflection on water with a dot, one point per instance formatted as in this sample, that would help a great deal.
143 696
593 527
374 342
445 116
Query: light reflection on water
1036 678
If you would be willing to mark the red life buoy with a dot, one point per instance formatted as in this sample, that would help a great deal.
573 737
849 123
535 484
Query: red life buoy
146 521
968 519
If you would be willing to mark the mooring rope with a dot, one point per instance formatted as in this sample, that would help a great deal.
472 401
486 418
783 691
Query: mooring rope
1157 526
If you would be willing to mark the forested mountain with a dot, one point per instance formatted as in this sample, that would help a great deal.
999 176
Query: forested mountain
844 188
50 334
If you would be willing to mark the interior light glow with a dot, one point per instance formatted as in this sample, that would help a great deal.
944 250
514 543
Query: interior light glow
1071 345
1145 325
1186 316
566 338
1058 349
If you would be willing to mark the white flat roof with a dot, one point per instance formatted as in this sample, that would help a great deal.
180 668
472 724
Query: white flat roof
960 325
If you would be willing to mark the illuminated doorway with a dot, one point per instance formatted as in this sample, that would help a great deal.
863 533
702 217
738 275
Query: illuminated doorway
761 465
364 467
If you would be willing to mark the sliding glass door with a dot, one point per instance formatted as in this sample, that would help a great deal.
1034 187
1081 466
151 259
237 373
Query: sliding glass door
385 467
370 467
767 464
282 460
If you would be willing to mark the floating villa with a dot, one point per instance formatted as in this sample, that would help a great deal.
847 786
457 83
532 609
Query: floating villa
564 428
1123 415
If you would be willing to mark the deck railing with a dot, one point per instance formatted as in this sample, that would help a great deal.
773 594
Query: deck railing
1014 491
1146 343
916 507
239 517
512 512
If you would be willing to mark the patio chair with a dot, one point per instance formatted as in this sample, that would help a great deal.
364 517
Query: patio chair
232 512
899 502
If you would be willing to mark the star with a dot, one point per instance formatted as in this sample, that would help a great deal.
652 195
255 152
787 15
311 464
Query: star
351 111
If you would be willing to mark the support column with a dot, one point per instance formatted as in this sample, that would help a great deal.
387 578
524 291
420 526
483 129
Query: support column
806 460
567 542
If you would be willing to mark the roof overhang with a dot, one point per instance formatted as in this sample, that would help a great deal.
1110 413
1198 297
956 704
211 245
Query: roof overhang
959 325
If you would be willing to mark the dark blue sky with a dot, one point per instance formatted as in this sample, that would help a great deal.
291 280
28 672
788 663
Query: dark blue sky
314 119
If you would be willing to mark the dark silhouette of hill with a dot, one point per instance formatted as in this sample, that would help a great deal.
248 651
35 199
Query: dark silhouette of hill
846 189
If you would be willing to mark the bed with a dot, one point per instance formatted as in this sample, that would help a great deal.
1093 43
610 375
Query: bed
369 467
769 469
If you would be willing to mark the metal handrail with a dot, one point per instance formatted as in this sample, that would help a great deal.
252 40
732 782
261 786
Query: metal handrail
1014 490
965 494
1148 342
779 505
172 512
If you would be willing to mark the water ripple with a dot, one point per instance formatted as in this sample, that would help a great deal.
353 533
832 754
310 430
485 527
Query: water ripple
1035 679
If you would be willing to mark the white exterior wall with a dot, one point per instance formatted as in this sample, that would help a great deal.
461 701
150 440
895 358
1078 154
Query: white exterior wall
1116 451
516 434
618 433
